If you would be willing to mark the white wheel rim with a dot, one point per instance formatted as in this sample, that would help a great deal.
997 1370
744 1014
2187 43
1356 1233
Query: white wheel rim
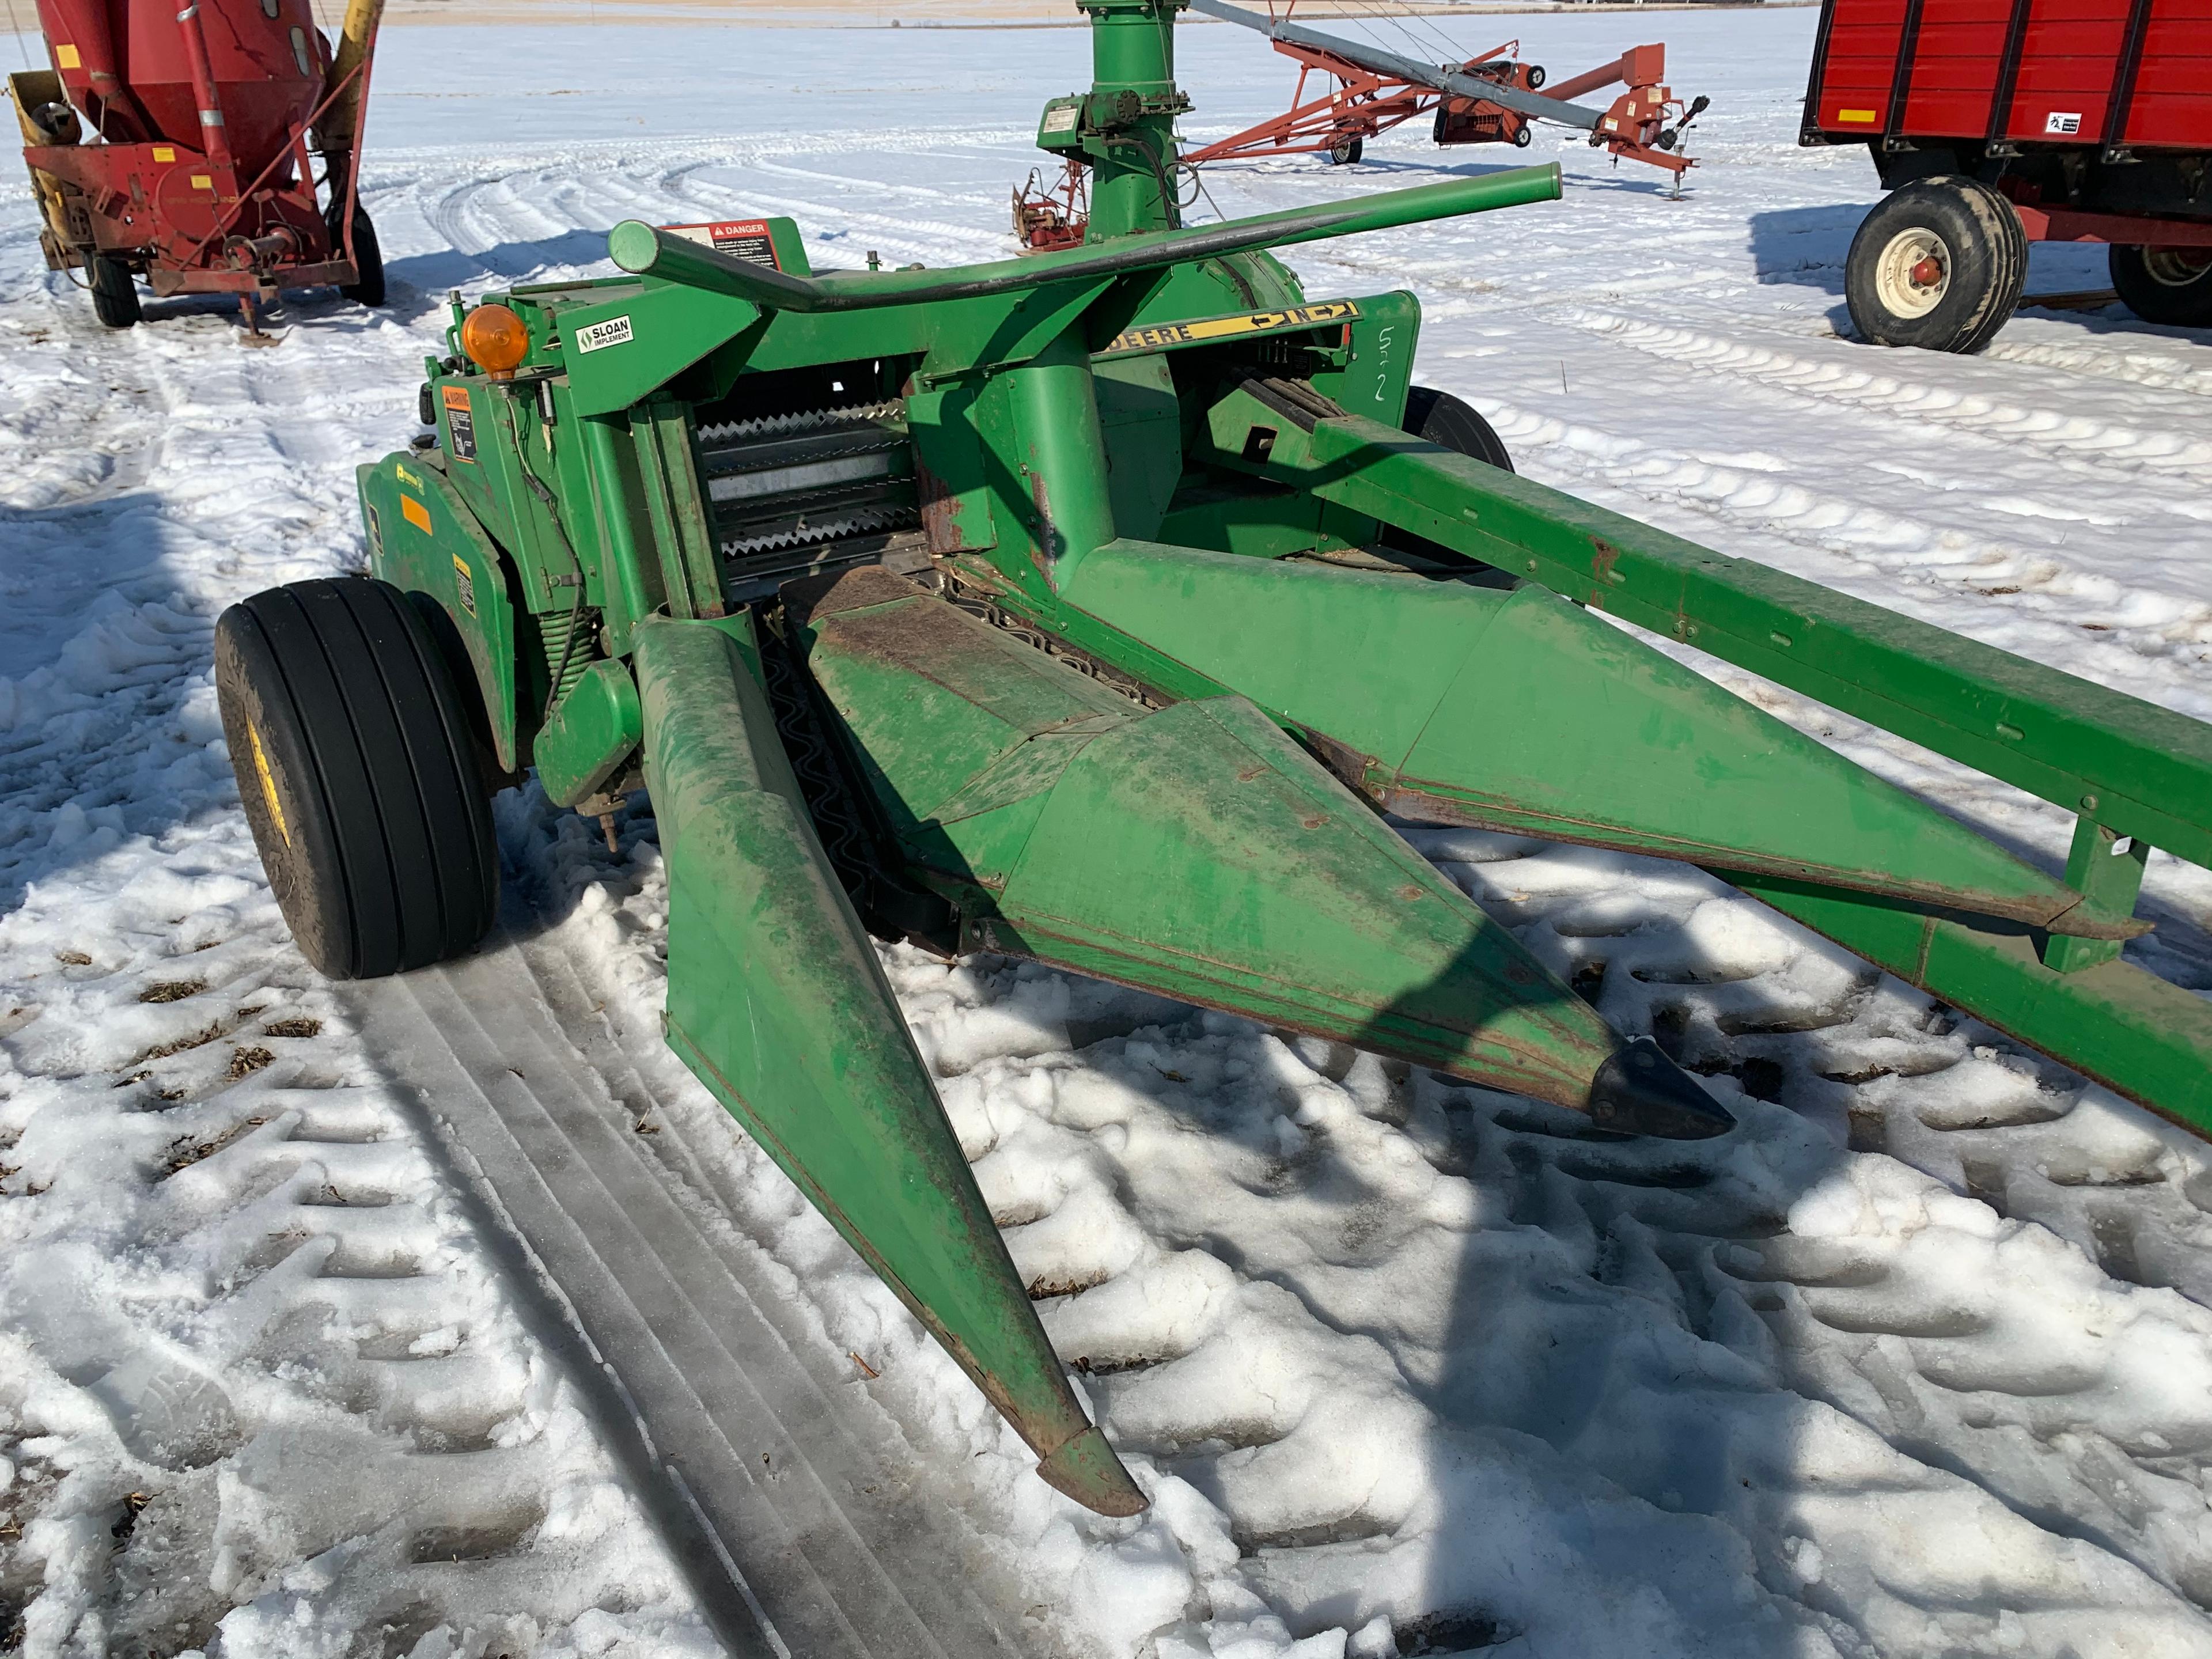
2176 267
1900 274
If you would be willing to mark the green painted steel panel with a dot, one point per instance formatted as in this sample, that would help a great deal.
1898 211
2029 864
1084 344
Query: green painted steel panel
2142 770
777 1000
1521 711
588 734
1195 850
423 540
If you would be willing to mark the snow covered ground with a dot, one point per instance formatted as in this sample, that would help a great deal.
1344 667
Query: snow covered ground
1919 1362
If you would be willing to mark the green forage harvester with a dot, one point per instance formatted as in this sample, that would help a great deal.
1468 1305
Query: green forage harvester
1094 607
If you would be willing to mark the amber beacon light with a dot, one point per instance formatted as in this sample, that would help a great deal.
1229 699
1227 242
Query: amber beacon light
495 341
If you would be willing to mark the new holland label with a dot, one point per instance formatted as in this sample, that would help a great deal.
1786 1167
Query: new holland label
460 422
745 238
2065 123
465 586
1158 336
615 332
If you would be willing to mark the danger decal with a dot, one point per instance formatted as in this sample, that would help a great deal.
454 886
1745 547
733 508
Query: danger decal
742 239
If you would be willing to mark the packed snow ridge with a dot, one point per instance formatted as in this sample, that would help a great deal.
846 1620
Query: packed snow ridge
1919 1361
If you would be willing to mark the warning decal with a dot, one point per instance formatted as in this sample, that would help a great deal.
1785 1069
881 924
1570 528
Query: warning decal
465 586
460 422
1158 336
745 238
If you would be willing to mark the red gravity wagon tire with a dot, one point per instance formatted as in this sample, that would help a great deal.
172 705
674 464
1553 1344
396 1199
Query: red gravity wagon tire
1940 263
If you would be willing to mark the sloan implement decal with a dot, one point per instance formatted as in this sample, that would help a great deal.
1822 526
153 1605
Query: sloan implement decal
595 336
1161 337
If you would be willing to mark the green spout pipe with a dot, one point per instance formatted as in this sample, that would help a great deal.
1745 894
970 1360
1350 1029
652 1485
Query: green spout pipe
1063 455
1133 170
638 248
626 599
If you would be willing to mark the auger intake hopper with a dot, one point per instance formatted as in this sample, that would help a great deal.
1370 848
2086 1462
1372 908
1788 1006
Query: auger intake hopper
1095 606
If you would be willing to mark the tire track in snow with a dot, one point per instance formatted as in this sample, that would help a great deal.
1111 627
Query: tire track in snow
2082 443
248 1326
2126 352
1304 1285
2027 601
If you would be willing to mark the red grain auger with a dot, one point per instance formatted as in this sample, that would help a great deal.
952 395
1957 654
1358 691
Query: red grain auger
178 142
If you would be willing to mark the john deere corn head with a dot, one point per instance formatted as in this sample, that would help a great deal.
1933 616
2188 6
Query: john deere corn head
1094 607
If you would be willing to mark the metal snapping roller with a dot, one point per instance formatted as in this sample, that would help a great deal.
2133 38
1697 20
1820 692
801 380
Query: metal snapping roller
1093 607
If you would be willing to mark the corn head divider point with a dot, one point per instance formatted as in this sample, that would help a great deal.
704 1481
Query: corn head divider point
1007 608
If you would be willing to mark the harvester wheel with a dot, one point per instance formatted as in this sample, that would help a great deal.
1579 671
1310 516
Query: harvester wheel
359 781
114 295
1345 151
369 261
1450 423
2170 285
1453 423
1939 263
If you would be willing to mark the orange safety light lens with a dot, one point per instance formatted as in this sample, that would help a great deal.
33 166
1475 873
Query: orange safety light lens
495 340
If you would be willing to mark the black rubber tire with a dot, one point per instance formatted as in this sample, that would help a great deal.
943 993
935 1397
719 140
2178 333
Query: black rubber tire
355 771
2164 285
1983 250
114 295
1346 151
369 262
1454 423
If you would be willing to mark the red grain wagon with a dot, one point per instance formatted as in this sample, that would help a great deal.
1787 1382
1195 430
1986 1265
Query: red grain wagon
178 142
1996 122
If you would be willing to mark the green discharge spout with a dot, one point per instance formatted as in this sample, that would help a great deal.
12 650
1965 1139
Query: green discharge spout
640 248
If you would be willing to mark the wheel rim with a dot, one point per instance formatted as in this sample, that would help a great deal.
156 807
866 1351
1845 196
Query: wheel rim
1913 273
2176 267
